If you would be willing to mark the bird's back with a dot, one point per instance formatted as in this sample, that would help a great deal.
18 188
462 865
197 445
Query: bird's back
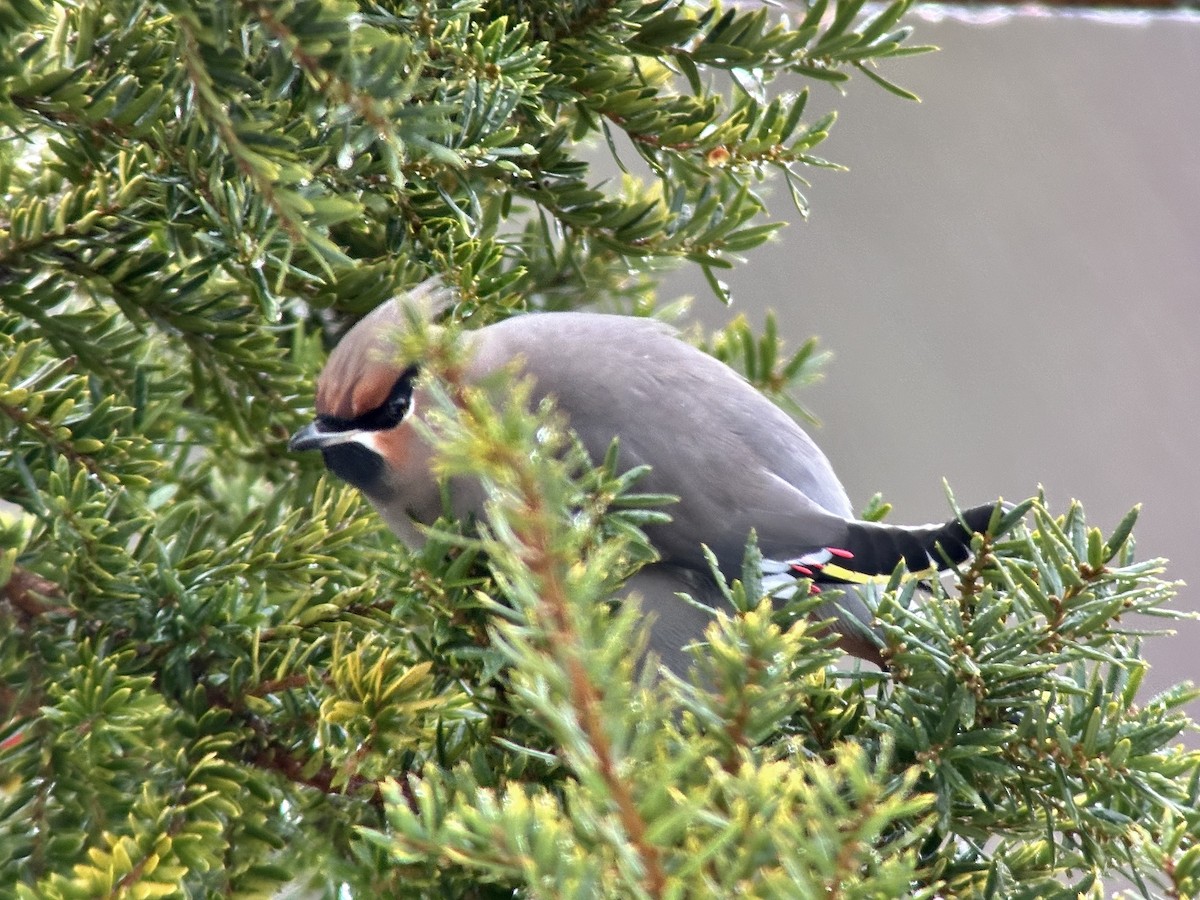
689 415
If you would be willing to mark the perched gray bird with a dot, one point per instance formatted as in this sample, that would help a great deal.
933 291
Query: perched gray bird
734 459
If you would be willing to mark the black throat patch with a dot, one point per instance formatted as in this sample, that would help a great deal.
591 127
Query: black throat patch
356 465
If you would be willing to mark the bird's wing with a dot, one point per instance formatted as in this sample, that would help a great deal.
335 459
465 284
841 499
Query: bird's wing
736 461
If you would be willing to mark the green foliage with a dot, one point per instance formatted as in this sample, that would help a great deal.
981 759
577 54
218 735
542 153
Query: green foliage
220 676
756 357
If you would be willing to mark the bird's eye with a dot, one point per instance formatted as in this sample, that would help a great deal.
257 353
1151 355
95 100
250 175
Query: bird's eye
398 403
396 408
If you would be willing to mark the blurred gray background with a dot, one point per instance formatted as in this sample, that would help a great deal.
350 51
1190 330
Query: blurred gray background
1009 278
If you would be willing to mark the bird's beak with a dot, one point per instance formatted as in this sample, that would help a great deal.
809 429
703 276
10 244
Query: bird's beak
312 437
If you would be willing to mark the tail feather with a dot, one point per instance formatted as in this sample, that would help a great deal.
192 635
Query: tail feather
877 548
873 550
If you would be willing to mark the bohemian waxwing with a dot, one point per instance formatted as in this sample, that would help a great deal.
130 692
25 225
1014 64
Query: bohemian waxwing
732 457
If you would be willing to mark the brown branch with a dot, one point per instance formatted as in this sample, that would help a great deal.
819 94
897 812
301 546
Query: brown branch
134 875
534 533
13 248
650 140
30 595
543 563
217 116
735 729
273 756
275 685
47 432
276 758
326 82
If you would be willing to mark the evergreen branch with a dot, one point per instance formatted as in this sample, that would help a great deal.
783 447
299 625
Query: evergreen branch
49 435
648 139
588 17
14 248
148 861
231 372
338 89
534 537
250 163
277 758
547 568
271 755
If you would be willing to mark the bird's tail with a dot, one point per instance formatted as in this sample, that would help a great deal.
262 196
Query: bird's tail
859 569
875 549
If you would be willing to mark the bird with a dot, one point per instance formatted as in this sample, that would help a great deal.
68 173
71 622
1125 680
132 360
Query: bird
736 462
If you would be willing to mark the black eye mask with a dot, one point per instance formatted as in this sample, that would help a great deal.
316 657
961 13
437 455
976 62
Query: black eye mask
388 414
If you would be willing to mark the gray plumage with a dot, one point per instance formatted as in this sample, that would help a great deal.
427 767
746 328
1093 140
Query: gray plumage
734 459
